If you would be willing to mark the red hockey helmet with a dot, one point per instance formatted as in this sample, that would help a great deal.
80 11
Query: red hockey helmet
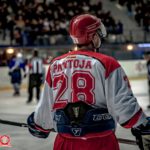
83 27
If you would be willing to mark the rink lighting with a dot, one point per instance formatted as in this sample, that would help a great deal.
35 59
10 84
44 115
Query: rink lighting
10 51
19 55
144 45
129 47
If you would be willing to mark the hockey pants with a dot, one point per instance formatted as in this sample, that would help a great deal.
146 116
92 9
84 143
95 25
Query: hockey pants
97 143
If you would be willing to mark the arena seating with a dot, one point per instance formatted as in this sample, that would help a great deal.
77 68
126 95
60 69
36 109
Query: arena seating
34 22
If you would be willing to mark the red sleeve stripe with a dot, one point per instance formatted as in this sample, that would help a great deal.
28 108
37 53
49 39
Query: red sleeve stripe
130 123
111 66
41 129
48 77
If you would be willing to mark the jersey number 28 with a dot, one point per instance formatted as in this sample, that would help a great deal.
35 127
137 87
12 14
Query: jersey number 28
82 88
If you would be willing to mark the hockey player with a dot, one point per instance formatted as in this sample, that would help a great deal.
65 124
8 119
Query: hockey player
147 58
16 65
85 94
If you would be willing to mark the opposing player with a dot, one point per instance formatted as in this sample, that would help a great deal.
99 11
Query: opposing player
85 94
147 58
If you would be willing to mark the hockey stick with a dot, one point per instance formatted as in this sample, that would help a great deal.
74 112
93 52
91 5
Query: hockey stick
127 141
19 124
13 123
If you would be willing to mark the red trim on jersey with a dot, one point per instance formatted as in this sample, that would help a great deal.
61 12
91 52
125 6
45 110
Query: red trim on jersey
41 129
30 66
109 63
59 105
130 123
48 77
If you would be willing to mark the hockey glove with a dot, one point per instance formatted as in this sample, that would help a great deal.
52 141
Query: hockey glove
35 130
142 135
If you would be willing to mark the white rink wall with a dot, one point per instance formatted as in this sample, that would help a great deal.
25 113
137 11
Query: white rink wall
134 69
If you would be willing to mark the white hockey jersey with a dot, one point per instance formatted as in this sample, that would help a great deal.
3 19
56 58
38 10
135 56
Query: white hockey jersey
91 77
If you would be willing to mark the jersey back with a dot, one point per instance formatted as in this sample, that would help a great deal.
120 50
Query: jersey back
80 76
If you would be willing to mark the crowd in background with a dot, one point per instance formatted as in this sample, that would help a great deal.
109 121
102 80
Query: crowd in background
32 22
140 10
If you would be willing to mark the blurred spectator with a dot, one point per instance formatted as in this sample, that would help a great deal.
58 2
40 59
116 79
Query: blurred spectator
119 27
10 26
16 65
119 31
140 9
18 36
129 5
121 2
146 22
20 23
147 58
138 14
33 22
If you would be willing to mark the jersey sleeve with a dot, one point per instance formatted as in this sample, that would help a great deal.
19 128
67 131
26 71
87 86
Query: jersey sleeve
43 112
121 102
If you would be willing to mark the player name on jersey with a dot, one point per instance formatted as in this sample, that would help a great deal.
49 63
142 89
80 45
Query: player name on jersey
72 63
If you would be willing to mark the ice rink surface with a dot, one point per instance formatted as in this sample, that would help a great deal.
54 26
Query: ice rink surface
16 109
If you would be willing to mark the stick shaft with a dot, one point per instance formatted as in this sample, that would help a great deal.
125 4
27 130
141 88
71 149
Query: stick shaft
13 123
127 141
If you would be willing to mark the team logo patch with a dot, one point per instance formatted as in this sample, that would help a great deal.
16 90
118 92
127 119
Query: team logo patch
99 117
57 117
76 131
